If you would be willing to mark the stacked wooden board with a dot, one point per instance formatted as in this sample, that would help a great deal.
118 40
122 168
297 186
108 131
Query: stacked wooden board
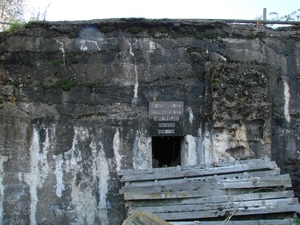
223 190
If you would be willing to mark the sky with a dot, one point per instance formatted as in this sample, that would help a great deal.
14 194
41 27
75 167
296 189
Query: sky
60 10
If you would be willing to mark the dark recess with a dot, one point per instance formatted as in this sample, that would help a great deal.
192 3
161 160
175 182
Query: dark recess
166 150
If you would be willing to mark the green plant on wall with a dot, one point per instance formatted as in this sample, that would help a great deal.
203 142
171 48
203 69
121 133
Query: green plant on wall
175 35
135 29
163 31
57 62
64 84
72 35
194 49
250 36
296 116
230 113
16 83
107 29
200 36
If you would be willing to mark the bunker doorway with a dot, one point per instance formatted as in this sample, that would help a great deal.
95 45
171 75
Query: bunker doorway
166 151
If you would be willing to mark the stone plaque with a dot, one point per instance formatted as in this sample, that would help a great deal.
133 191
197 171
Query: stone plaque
166 118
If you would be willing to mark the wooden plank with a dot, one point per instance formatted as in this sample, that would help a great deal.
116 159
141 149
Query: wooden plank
204 178
158 170
253 182
239 222
211 207
225 213
172 195
272 181
200 172
214 199
195 167
187 186
241 175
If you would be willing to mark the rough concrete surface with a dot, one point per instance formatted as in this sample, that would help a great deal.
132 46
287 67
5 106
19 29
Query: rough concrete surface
74 102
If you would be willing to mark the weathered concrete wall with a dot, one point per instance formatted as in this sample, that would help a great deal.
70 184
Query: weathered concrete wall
74 107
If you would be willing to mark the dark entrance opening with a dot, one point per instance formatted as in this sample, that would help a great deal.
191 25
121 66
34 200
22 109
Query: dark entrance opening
166 151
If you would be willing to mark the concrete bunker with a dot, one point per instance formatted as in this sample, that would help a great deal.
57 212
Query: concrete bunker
69 131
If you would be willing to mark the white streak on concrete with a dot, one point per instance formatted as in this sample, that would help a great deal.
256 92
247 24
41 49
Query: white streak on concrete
142 151
83 197
189 151
83 194
130 49
70 158
159 46
39 169
191 115
81 133
237 41
200 153
38 42
73 156
152 46
62 49
101 170
43 160
33 178
20 176
116 147
83 46
207 148
287 97
263 53
2 160
136 85
85 204
59 175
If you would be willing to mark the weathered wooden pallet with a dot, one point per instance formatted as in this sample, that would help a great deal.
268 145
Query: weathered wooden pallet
241 188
